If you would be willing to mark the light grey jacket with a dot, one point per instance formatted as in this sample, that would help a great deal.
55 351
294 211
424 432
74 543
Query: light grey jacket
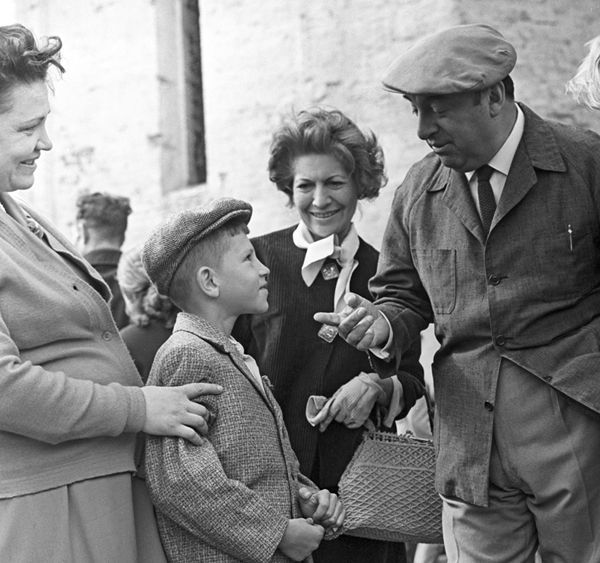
70 401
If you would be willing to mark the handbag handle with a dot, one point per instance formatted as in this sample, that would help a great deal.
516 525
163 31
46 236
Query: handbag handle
369 425
427 398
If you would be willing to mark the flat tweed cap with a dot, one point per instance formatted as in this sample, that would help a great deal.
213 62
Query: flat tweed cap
167 246
459 59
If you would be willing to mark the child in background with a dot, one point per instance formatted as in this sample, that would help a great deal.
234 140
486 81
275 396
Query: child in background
239 496
151 316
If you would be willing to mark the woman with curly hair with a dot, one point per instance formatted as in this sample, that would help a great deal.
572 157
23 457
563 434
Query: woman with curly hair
325 164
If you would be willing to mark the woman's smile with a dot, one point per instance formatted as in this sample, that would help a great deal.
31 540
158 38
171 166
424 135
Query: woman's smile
324 214
324 195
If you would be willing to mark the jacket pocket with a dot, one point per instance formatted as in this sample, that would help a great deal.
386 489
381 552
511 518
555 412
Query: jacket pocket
437 270
564 265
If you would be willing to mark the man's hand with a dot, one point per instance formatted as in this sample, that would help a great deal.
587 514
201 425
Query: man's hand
170 411
360 323
324 507
301 538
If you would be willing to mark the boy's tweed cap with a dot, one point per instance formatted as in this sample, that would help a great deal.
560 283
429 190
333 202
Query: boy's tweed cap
169 243
459 59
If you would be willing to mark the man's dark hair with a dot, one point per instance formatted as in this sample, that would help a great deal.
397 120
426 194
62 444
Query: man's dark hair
103 211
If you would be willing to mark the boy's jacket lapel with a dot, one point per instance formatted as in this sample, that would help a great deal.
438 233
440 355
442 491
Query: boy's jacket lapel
203 329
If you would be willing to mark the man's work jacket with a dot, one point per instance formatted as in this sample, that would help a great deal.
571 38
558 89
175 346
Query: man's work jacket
530 293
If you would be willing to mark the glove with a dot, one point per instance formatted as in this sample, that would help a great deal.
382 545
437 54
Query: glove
352 403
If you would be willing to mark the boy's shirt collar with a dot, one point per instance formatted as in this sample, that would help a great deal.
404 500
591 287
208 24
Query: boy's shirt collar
249 361
207 331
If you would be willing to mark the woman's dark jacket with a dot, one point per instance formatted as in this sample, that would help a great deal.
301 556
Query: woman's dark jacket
285 344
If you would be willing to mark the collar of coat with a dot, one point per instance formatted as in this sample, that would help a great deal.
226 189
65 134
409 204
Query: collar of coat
205 330
537 150
220 341
538 143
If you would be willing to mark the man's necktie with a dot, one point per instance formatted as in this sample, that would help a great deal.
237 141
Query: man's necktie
487 203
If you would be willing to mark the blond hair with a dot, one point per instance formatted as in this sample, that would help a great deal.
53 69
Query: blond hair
585 85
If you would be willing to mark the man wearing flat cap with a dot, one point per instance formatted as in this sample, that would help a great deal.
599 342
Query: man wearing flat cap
494 237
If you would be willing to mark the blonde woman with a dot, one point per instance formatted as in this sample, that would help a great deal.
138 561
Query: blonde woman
585 85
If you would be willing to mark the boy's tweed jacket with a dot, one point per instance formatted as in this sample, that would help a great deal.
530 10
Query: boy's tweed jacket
229 499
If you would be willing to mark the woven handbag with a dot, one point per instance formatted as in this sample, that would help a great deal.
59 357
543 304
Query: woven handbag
388 489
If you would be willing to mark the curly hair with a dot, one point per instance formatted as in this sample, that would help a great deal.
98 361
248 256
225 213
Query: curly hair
321 131
585 85
22 60
103 211
142 301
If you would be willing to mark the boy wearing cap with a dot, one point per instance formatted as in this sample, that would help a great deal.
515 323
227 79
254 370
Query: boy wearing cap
238 496
494 238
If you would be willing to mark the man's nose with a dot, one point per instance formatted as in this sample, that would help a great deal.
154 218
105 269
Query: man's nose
426 126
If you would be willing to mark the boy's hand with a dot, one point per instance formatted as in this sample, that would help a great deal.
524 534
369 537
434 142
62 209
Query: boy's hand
324 507
301 538
171 411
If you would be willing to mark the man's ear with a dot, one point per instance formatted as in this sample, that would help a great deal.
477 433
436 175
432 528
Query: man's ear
207 281
497 98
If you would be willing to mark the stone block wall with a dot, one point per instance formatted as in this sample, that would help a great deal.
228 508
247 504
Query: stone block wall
261 58
104 109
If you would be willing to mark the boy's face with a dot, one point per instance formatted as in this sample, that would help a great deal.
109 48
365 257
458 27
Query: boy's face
243 278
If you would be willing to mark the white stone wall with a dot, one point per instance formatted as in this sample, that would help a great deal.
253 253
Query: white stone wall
262 58
105 107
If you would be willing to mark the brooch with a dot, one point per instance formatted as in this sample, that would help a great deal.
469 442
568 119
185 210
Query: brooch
330 271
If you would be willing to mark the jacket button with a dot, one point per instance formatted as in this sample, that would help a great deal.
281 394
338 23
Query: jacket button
107 335
500 340
494 279
488 406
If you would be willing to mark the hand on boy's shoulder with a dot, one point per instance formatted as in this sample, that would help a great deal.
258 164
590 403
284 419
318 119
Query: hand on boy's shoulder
180 397
176 412
301 538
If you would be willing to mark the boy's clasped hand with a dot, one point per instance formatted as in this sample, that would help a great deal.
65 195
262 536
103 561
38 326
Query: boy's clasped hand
323 516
